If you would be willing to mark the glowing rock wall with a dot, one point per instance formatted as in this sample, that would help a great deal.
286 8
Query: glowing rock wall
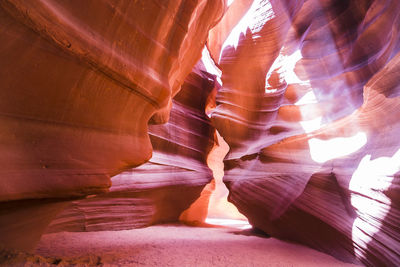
78 90
309 108
308 104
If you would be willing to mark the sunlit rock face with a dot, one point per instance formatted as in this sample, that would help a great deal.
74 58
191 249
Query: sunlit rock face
161 189
78 90
309 107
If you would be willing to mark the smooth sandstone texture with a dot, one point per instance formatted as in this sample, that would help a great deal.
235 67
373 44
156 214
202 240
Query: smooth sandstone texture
161 189
308 104
309 108
88 119
78 91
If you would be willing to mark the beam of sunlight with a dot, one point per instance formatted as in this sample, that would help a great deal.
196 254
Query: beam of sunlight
285 66
324 150
209 64
368 185
308 98
320 150
251 21
311 125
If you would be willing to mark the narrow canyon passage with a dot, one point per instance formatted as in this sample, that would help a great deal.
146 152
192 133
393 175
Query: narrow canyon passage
200 133
213 201
226 238
220 211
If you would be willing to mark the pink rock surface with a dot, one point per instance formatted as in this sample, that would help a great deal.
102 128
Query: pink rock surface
175 245
308 106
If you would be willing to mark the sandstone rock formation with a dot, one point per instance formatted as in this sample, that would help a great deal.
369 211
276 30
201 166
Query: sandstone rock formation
78 91
161 189
308 102
308 106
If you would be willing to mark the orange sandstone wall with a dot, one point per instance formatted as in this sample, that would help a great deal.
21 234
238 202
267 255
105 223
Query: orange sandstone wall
80 81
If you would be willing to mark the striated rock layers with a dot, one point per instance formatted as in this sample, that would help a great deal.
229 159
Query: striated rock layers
309 105
78 92
161 189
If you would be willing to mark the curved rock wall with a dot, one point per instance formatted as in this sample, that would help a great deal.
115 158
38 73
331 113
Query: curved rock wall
78 90
161 189
308 106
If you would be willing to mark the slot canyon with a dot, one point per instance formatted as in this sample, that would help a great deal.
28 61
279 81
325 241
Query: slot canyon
199 133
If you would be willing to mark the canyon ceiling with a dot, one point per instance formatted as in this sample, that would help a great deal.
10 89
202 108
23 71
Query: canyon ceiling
109 109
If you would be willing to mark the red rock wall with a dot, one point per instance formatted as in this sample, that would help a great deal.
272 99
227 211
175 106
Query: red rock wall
161 189
80 82
308 106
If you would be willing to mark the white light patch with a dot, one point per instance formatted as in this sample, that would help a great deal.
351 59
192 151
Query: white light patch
308 98
368 184
252 21
290 64
239 224
285 66
324 150
230 2
210 65
270 91
311 125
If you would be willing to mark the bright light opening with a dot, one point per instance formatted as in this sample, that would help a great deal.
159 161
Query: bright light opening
309 125
285 66
251 21
324 150
220 211
209 64
368 185
212 207
308 98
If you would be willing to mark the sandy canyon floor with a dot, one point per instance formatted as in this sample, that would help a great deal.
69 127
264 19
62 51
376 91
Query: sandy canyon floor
171 245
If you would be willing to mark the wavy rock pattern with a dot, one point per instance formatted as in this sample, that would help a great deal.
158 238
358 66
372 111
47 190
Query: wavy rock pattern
161 189
309 107
78 91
